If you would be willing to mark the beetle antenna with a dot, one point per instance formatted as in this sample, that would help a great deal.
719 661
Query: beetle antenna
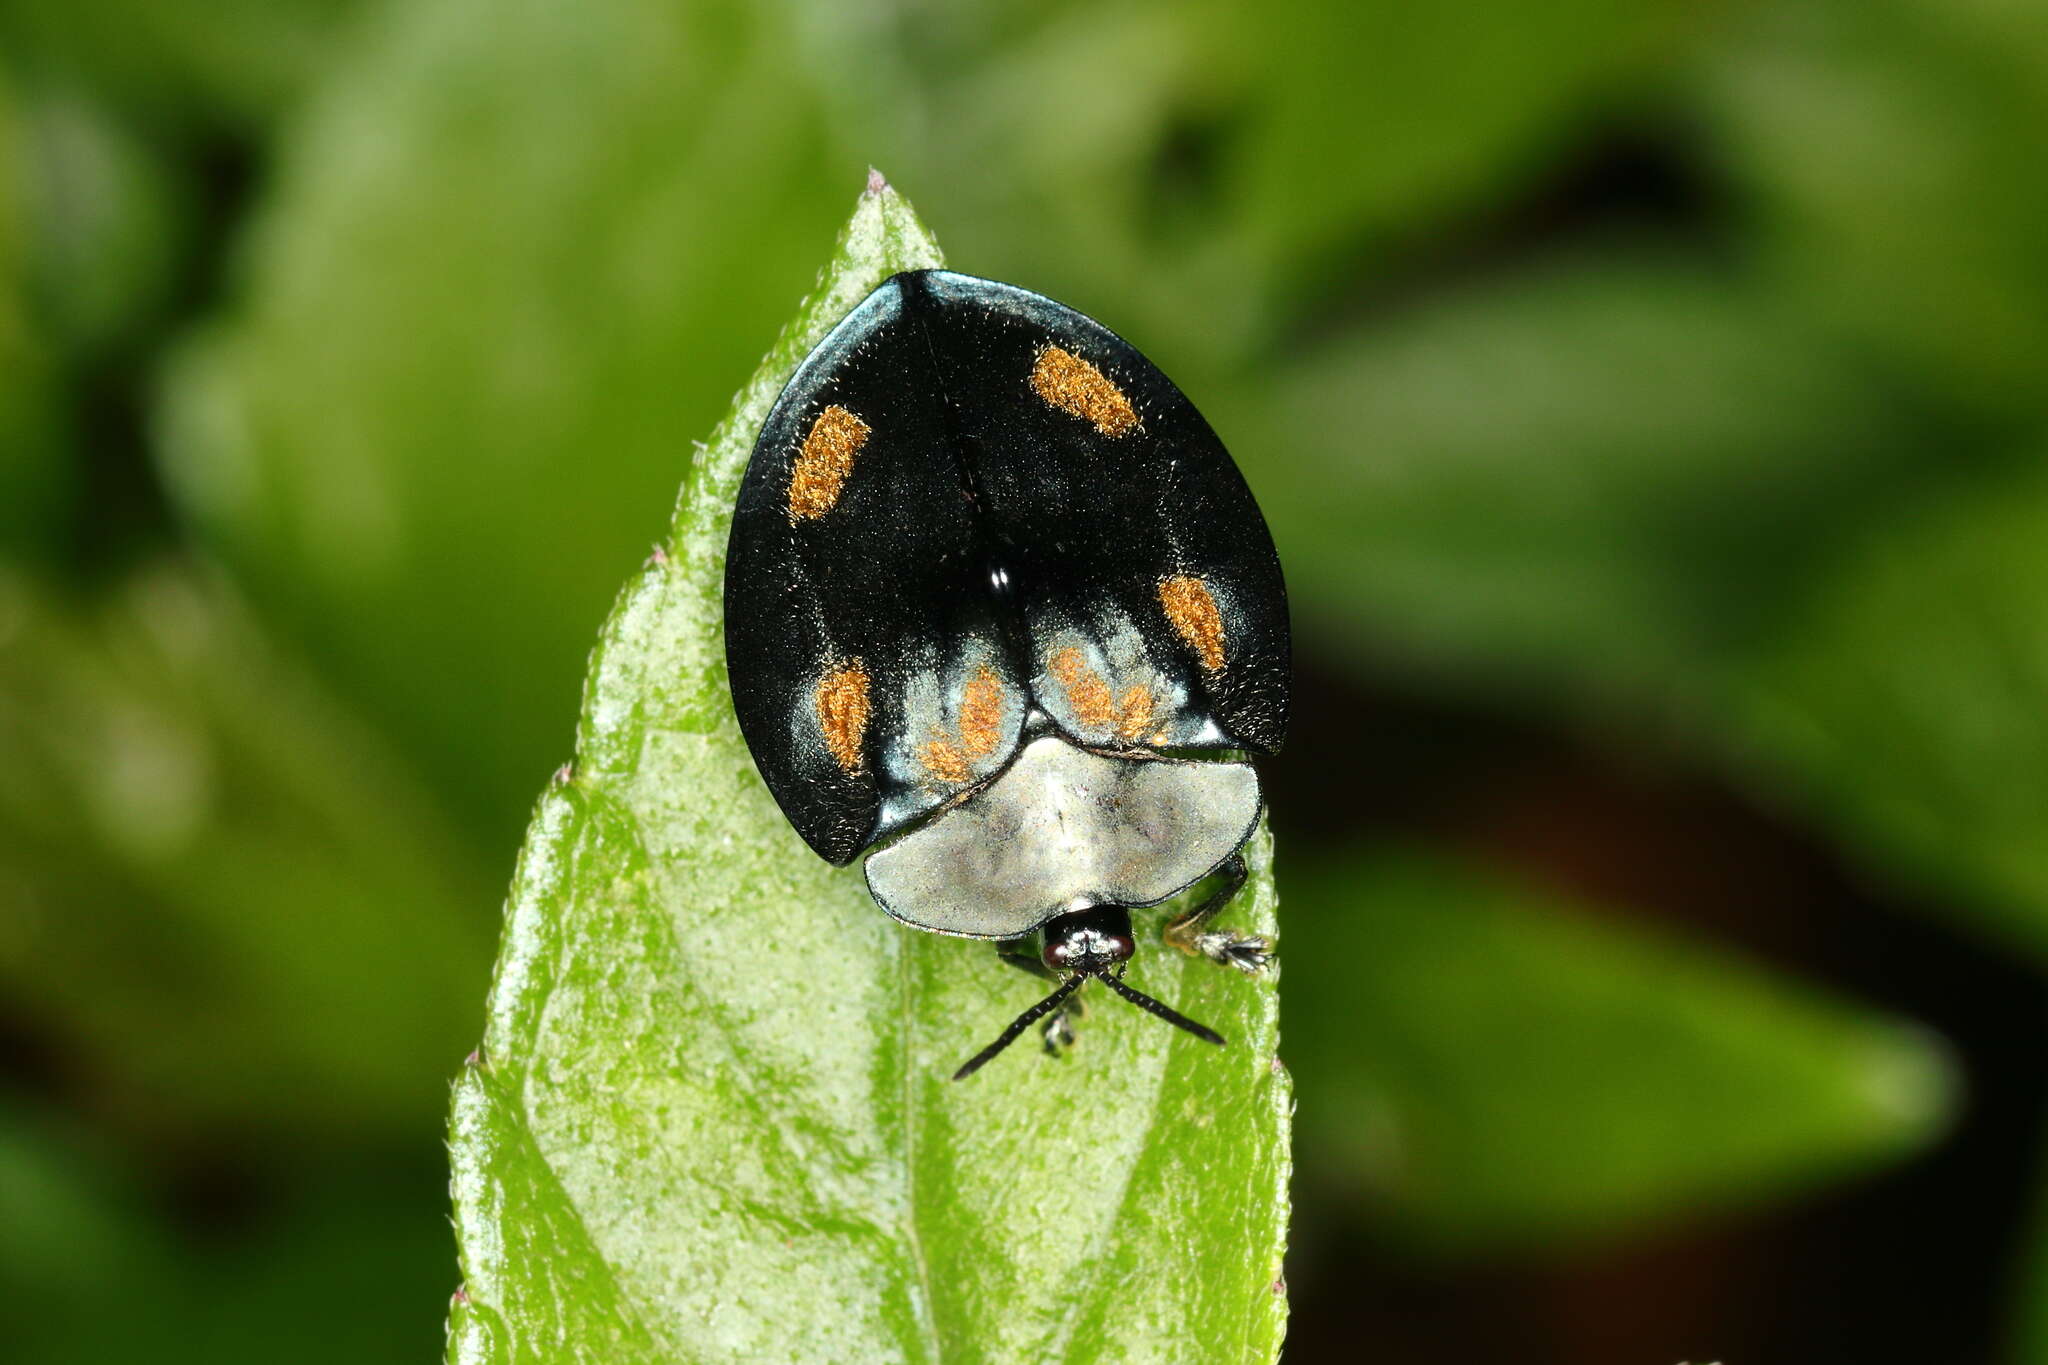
1166 1012
1025 1020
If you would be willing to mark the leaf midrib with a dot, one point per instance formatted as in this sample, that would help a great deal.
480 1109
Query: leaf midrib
927 1310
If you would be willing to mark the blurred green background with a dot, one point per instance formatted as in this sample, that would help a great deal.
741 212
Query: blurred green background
1649 401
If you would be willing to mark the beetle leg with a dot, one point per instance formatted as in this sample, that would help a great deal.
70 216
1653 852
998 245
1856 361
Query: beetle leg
1249 953
1058 1031
1026 962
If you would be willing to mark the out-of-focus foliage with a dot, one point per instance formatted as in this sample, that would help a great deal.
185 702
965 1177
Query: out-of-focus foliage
1464 1047
276 920
103 223
89 1272
176 67
447 336
32 467
1213 166
1586 483
351 357
1905 710
1893 149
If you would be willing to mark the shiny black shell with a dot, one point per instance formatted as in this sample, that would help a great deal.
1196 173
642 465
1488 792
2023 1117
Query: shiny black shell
1024 527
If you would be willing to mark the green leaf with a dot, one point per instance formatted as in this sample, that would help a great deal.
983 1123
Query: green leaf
1904 711
1466 1046
711 1118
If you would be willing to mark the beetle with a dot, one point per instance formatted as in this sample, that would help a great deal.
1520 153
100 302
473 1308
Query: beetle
1001 614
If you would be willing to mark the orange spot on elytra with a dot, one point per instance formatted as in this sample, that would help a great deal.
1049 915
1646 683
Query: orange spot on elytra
943 760
981 714
1087 693
978 730
1134 711
1088 696
1072 385
1191 608
841 702
824 462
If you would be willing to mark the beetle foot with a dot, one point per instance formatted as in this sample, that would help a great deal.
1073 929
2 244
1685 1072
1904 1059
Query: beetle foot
1059 1034
1249 953
1058 1031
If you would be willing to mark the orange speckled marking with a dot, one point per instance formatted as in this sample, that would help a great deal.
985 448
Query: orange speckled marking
842 705
1091 701
1072 385
943 759
824 462
1134 711
1087 694
981 714
951 758
1192 609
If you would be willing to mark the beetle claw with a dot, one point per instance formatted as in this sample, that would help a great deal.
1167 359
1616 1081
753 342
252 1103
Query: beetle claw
1058 1031
1249 953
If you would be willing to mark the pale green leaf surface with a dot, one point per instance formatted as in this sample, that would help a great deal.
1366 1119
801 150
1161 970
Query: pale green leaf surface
1488 1066
712 1119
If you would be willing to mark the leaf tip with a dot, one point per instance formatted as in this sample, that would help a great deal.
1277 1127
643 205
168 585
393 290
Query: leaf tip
878 183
